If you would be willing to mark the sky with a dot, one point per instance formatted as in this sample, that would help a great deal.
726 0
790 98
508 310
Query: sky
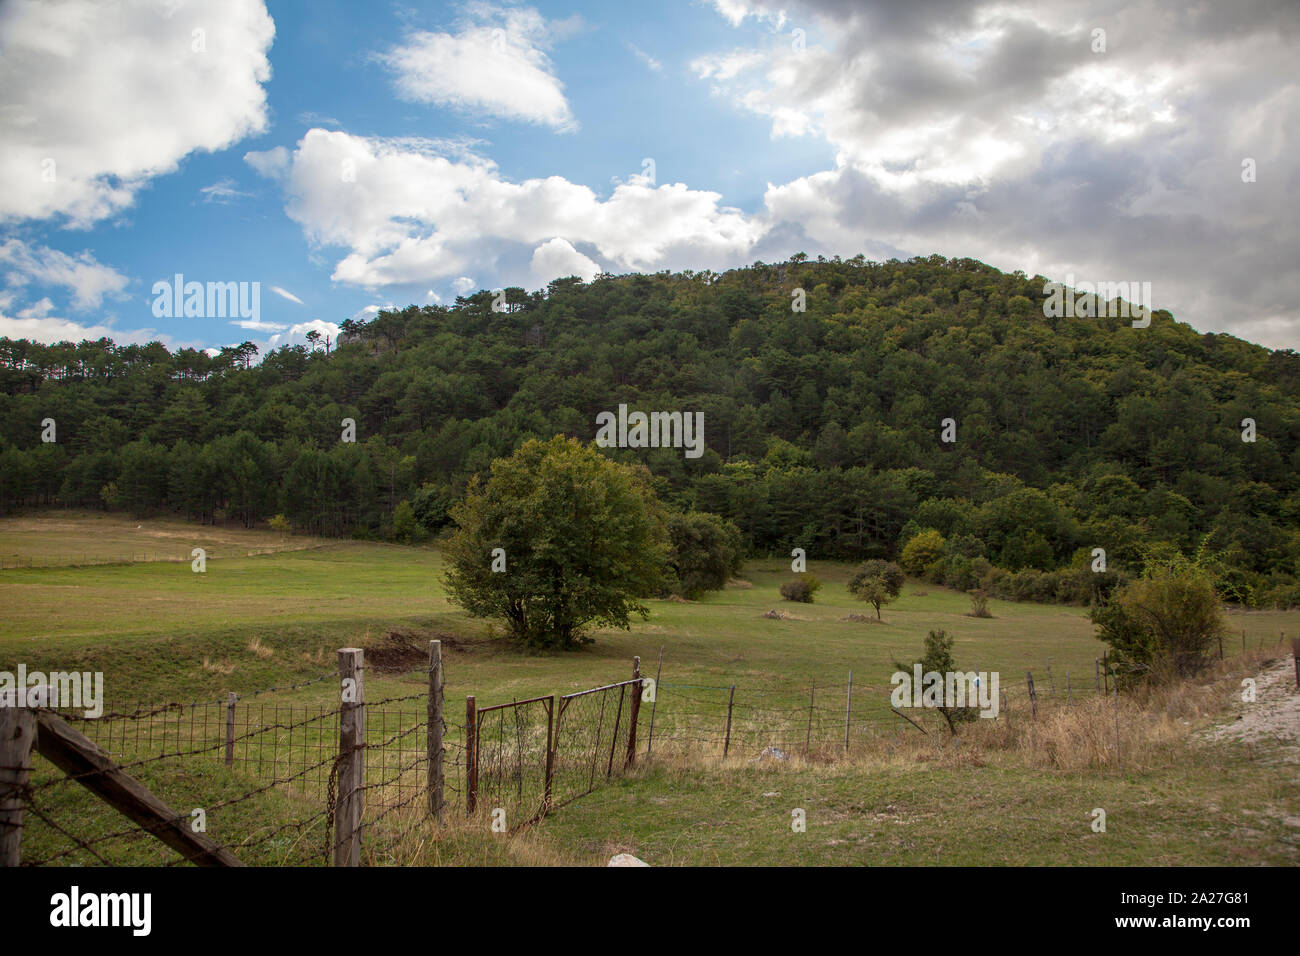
348 157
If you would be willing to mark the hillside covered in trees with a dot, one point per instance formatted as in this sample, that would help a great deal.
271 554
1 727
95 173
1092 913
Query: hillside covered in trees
823 427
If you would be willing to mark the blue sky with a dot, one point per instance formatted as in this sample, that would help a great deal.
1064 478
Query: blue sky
354 156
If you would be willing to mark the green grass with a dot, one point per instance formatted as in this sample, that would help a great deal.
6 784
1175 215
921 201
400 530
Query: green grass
1215 809
161 632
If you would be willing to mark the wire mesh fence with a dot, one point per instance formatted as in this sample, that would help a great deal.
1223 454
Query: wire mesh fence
262 772
594 730
512 767
730 720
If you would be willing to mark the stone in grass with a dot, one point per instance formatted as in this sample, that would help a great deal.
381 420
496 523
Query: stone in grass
773 753
774 614
626 859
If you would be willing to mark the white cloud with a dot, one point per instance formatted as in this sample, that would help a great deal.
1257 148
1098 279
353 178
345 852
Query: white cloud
297 335
49 329
412 216
494 65
271 163
257 325
992 130
463 284
222 191
88 279
556 259
368 312
645 58
735 12
284 294
100 98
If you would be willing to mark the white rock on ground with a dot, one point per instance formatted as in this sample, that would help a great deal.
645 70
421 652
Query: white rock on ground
626 859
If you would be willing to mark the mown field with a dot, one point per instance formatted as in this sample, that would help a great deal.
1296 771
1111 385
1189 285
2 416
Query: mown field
161 632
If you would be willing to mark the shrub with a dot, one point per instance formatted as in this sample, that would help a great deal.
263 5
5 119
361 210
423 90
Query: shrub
1163 624
979 603
937 658
801 589
921 551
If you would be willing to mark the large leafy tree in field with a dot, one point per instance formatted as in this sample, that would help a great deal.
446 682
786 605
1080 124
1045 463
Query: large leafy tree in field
706 552
583 537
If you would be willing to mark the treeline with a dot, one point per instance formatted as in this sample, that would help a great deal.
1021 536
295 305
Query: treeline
823 427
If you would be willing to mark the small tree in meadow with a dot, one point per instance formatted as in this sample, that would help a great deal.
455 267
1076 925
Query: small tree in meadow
877 582
937 658
979 603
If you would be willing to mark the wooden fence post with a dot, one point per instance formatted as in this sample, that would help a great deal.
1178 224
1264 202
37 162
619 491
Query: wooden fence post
436 682
230 728
349 795
726 743
1096 667
1033 698
848 710
1051 681
17 733
1295 654
634 712
471 754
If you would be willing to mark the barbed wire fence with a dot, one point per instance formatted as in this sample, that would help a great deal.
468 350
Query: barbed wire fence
275 782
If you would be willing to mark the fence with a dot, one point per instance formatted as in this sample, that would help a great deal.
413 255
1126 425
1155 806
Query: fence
277 782
293 783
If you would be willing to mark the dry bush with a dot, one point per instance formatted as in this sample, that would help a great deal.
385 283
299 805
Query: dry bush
222 667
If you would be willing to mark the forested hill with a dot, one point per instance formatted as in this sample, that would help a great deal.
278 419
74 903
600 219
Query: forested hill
823 427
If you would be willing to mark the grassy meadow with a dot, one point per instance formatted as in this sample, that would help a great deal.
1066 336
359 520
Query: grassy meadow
161 632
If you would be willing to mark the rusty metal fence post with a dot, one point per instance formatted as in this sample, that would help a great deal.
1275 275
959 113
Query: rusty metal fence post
230 729
613 740
726 742
471 755
550 753
654 704
633 712
434 742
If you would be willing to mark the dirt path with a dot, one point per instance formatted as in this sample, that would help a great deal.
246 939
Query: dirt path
1273 717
